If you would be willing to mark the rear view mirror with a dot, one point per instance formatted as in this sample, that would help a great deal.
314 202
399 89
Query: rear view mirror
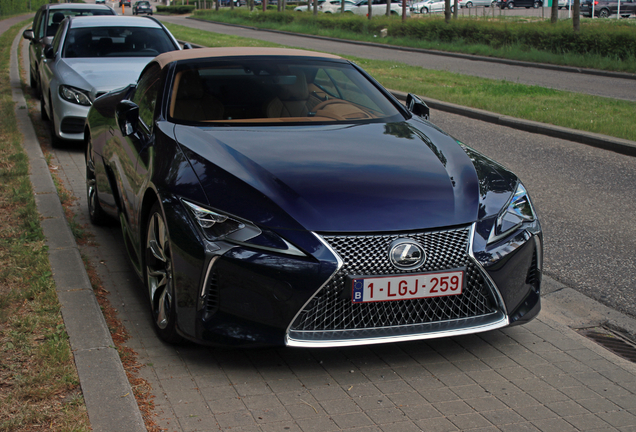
187 46
28 34
417 106
48 52
127 114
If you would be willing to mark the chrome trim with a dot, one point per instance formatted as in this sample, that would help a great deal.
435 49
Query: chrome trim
207 274
493 286
503 322
340 264
539 246
291 249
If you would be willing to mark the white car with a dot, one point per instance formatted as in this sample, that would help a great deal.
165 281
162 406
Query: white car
334 6
304 8
378 8
430 6
474 3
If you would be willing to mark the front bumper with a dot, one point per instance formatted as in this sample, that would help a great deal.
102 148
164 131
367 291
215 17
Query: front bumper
233 295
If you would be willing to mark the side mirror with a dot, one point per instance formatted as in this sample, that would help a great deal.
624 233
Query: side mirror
28 34
127 115
417 106
48 52
187 46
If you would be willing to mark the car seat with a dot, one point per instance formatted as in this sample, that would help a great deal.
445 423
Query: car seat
58 17
291 99
192 103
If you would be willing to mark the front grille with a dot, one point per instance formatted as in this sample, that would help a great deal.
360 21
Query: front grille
72 125
330 310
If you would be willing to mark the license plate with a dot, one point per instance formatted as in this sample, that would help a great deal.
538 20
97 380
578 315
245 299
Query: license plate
407 287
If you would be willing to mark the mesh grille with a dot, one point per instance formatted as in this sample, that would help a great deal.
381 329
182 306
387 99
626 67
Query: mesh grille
368 255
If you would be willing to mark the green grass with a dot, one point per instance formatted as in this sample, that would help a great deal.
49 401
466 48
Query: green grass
346 27
573 110
37 372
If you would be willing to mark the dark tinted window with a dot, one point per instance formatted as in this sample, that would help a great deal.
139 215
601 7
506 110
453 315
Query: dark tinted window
146 95
116 42
56 16
276 90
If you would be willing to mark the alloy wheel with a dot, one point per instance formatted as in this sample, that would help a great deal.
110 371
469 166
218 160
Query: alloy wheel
159 271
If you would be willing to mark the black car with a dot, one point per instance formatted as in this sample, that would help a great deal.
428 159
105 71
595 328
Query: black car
283 197
45 24
511 4
142 7
605 8
124 3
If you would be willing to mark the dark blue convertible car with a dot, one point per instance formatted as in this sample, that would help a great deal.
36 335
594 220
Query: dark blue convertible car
284 197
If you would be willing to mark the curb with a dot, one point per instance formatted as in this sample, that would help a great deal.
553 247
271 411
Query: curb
472 57
109 398
606 142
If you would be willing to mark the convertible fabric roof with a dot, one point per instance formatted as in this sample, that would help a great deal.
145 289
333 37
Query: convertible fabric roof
202 53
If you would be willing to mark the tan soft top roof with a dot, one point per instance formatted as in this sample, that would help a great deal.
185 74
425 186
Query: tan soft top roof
202 53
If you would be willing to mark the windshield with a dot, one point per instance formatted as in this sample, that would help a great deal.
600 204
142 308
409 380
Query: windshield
116 42
276 90
56 16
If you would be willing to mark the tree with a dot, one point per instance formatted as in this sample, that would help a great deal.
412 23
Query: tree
369 9
315 5
576 18
447 11
388 7
554 14
456 9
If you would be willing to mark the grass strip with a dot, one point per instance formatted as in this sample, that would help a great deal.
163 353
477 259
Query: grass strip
572 110
465 35
39 387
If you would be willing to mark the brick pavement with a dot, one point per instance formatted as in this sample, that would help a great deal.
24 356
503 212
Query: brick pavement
539 377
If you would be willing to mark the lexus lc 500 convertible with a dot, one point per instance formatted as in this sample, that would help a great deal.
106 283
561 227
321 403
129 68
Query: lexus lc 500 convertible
284 197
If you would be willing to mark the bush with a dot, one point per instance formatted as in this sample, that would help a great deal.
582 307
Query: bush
179 9
615 40
12 7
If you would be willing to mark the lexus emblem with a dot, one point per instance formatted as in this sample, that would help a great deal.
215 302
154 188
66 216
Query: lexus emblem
406 254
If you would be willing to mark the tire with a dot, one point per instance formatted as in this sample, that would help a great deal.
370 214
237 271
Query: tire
536 4
55 140
424 10
469 5
159 277
510 5
43 114
604 13
95 212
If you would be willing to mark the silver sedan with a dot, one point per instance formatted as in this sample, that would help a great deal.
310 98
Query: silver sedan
89 57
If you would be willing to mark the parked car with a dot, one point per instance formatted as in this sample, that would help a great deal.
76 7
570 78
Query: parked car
45 24
378 7
308 6
511 4
142 7
335 6
237 3
284 197
606 8
124 3
100 1
479 3
431 6
90 56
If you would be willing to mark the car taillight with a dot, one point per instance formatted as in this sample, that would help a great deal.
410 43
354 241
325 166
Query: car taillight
596 3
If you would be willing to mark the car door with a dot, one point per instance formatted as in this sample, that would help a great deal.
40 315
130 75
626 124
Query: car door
48 67
132 159
35 45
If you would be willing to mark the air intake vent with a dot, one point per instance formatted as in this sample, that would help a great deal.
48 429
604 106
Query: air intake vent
212 294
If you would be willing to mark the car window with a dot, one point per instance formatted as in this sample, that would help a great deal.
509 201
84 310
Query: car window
38 30
56 42
146 95
276 91
116 42
56 16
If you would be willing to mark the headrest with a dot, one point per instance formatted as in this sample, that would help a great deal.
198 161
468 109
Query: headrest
58 17
190 85
296 90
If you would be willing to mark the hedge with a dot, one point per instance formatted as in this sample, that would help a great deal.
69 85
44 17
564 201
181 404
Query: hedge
179 9
615 40
13 7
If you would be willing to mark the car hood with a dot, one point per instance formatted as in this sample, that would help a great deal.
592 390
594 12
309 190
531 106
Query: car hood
100 75
373 177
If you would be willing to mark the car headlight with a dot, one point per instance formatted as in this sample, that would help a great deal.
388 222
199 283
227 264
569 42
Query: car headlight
518 210
219 226
75 95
